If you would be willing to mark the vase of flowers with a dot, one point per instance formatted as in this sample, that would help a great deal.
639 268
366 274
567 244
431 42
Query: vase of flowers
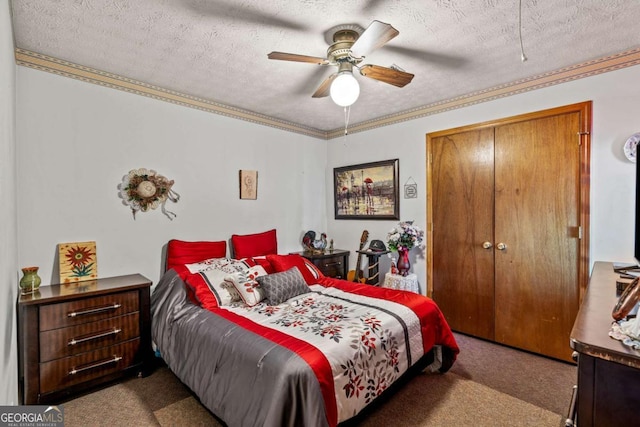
402 238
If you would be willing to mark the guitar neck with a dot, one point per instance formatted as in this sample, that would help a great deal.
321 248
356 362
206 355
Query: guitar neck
358 263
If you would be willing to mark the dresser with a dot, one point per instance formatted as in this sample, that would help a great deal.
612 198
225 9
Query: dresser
75 336
608 392
332 263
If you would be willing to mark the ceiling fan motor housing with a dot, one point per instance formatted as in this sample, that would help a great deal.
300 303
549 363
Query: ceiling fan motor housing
340 51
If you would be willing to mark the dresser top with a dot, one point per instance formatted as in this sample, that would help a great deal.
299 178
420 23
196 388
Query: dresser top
75 290
590 334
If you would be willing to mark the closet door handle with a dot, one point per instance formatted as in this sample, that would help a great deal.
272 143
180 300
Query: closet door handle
501 246
487 245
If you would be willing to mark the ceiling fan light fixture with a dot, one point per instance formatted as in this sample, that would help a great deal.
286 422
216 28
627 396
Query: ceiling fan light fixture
344 89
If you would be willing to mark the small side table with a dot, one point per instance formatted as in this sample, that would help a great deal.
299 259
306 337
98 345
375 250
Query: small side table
373 273
404 283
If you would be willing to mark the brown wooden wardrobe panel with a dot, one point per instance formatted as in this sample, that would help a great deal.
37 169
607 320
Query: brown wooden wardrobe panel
537 199
516 278
462 183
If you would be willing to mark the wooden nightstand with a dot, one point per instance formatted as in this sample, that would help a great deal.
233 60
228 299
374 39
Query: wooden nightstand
332 264
75 336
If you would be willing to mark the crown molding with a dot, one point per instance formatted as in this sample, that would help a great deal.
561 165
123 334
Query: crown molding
86 74
586 69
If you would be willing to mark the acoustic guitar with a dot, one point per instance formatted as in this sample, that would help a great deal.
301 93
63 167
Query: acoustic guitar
357 274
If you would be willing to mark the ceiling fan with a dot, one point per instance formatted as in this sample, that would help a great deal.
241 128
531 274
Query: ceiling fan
348 50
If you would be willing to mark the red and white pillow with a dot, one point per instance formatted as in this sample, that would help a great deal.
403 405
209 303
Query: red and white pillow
208 284
212 264
245 284
180 252
259 260
309 271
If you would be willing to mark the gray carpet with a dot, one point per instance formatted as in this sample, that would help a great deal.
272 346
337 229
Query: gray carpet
489 385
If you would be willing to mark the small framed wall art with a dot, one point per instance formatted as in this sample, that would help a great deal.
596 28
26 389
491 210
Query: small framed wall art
248 185
78 261
410 189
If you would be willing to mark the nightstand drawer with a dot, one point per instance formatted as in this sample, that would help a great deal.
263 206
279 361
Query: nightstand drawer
331 263
331 266
62 373
64 342
86 310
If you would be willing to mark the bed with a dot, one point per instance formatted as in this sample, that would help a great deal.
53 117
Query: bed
264 339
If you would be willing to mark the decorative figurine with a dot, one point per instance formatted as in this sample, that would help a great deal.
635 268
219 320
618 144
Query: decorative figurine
312 245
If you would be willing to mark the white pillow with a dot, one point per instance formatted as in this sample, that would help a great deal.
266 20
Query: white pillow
209 264
245 284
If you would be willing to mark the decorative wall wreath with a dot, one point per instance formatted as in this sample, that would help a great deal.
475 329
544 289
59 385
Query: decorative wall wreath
143 189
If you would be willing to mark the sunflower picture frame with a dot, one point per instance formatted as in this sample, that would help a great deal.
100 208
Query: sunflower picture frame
78 261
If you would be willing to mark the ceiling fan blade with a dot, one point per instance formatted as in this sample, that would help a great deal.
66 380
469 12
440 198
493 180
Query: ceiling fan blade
297 58
371 5
323 89
387 75
440 59
377 34
230 10
310 81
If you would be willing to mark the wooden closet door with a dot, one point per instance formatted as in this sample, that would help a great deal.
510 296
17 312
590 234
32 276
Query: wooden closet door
461 190
537 217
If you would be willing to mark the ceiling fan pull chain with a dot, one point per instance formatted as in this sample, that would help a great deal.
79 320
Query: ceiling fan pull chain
347 111
523 57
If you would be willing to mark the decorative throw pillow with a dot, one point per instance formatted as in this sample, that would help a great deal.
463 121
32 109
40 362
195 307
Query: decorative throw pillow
209 286
285 262
180 252
252 245
313 269
245 284
260 260
224 264
279 287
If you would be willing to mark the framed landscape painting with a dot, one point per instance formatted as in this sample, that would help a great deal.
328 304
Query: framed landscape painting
367 191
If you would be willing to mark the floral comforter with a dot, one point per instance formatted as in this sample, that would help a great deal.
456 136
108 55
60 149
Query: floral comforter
317 359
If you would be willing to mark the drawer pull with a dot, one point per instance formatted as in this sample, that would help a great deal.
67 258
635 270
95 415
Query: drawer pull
113 306
114 359
571 416
332 263
74 341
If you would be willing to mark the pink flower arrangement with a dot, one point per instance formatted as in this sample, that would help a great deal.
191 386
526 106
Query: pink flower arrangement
404 236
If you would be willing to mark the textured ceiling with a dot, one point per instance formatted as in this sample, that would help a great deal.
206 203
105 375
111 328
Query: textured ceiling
217 50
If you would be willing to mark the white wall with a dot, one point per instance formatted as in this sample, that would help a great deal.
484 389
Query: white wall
77 140
616 116
8 234
81 138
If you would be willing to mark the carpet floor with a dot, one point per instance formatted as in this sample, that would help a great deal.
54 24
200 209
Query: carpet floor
489 385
